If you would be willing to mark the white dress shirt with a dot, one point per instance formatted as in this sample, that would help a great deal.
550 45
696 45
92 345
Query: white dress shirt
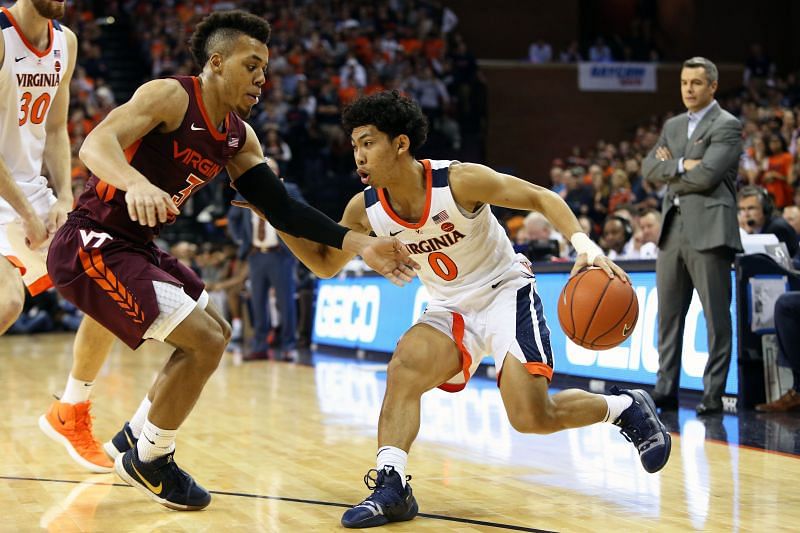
267 239
694 120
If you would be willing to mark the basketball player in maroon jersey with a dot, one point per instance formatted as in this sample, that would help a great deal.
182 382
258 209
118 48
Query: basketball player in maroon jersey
147 157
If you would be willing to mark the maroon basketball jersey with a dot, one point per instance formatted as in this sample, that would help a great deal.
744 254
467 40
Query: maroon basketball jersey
178 162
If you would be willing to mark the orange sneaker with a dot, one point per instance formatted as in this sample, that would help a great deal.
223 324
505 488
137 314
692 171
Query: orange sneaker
71 425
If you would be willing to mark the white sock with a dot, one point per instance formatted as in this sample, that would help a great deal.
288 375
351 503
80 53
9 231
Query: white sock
236 328
394 457
140 417
155 442
76 391
616 404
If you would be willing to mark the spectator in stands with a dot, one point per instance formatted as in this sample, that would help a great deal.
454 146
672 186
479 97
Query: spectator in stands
620 190
571 54
277 149
539 235
600 52
778 176
645 235
757 216
792 215
430 92
45 312
617 239
540 52
579 196
787 329
557 184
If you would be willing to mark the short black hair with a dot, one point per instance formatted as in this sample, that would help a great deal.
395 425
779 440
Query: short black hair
390 112
221 28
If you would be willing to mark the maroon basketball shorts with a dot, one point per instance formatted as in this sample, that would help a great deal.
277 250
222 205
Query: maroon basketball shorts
137 291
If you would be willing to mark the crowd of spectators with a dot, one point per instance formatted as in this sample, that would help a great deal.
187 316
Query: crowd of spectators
323 55
637 44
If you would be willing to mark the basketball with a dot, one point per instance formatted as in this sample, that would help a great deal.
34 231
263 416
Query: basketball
597 312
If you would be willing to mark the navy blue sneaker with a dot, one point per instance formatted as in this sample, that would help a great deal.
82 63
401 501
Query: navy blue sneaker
389 501
121 442
640 425
162 481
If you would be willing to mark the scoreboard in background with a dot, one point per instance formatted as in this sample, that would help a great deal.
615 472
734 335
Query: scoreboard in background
370 313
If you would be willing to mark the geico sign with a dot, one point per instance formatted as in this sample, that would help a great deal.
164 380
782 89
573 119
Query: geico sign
642 353
349 312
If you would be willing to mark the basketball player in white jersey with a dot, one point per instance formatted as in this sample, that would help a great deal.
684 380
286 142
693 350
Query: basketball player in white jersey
37 58
483 298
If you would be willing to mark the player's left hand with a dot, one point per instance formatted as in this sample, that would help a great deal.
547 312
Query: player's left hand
609 266
247 205
388 257
58 214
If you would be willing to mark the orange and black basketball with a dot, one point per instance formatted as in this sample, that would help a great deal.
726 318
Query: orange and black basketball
597 312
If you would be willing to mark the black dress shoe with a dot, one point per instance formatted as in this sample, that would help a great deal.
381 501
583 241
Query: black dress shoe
667 403
703 409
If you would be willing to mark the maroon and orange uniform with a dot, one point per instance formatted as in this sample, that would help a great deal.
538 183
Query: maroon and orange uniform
104 262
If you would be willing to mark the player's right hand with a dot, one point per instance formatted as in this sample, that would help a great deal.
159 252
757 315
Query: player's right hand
148 205
35 232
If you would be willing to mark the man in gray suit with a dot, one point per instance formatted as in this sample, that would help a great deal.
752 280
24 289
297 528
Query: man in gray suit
698 156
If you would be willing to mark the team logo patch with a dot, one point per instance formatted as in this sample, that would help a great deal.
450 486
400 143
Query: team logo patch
57 66
440 217
448 226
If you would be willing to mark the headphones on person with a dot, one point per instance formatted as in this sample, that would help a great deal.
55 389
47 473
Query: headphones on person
764 198
627 227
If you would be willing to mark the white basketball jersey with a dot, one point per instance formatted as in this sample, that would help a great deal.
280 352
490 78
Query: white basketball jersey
458 251
29 79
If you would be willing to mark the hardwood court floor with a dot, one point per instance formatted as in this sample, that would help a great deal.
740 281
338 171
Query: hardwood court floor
284 447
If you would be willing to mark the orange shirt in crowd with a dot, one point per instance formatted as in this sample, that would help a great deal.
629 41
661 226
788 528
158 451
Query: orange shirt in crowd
347 94
618 198
780 189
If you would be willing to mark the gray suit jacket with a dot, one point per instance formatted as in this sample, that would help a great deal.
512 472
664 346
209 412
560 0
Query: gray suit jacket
707 193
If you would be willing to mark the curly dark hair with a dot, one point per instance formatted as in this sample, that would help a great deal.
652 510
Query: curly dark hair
390 112
222 27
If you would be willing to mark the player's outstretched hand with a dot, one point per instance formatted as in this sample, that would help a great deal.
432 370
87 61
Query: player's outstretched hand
247 205
388 257
35 232
148 205
609 266
58 215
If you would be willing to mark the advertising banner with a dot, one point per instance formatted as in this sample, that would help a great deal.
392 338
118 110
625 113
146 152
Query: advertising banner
370 313
617 77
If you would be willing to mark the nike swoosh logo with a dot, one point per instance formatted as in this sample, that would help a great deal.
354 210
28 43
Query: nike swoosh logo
58 415
128 438
18 59
393 233
495 285
625 330
195 128
154 489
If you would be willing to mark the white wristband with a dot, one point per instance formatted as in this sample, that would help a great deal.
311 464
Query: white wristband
584 245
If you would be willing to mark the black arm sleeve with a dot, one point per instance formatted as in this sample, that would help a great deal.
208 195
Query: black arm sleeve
262 188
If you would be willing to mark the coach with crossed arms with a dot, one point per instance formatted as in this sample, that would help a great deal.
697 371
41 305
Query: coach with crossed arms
698 156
